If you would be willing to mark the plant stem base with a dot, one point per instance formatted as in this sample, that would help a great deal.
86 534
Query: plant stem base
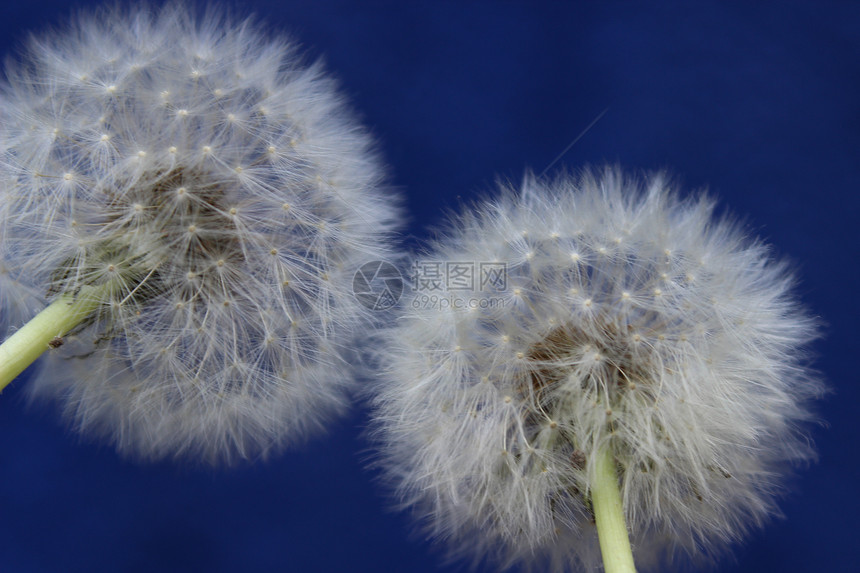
29 342
609 515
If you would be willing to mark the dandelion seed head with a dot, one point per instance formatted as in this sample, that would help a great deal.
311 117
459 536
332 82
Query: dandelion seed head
699 389
130 141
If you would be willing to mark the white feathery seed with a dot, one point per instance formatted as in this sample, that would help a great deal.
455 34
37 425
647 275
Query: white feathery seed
221 195
631 319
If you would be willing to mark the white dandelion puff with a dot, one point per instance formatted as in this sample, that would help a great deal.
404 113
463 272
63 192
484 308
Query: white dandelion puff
205 197
639 336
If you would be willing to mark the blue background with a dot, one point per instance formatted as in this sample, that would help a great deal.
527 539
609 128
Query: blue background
757 101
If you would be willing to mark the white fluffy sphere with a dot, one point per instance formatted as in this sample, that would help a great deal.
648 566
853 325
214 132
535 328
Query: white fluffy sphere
221 196
629 319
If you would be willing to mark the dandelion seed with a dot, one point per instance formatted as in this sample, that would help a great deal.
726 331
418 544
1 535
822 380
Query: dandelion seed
189 346
667 405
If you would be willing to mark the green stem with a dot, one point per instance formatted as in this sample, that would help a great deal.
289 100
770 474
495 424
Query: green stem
31 340
609 515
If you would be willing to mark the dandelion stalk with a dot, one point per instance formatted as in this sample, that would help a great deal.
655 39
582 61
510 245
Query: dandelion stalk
28 343
609 515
